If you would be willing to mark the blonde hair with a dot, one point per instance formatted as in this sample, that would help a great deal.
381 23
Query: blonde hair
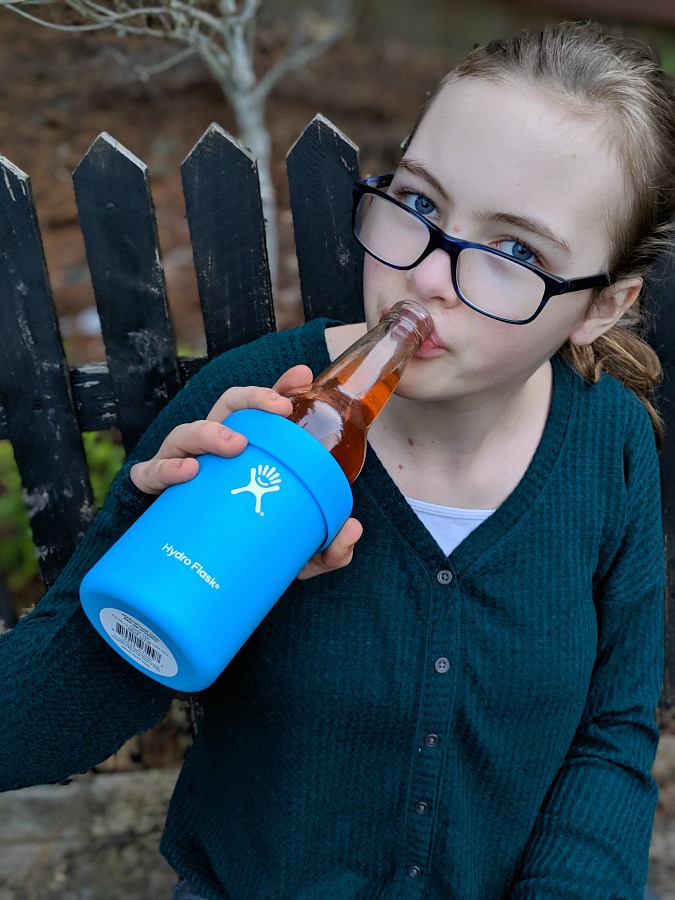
617 82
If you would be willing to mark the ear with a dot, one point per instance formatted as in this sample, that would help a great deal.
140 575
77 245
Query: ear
607 310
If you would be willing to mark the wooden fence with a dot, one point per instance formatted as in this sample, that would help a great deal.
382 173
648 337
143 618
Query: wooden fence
45 404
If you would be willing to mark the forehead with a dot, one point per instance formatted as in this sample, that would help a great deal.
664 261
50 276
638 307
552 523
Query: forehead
517 117
511 147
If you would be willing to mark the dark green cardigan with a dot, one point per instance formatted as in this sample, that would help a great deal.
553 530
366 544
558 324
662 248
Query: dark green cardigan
478 726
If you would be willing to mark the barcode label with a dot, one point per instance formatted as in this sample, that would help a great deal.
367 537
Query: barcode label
128 635
138 643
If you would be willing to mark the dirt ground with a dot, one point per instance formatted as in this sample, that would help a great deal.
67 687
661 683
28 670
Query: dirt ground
59 91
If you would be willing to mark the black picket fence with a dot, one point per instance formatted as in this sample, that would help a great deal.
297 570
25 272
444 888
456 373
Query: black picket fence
46 405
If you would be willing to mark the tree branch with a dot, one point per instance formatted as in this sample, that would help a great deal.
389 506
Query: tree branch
102 17
300 57
146 72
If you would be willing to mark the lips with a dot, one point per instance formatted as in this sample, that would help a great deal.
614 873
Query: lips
434 341
432 346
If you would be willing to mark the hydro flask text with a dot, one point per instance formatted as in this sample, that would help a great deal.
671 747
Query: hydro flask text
194 566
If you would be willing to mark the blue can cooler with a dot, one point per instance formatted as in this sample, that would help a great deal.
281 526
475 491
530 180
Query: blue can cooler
181 591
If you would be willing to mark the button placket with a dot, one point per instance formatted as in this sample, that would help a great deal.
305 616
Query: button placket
435 711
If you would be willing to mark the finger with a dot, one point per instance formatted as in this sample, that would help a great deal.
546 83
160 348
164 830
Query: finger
294 379
267 399
174 463
197 438
338 553
156 475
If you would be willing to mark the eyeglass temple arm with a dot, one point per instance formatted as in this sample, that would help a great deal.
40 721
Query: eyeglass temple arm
581 284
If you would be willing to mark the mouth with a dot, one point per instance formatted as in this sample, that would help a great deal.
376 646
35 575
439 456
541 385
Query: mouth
433 346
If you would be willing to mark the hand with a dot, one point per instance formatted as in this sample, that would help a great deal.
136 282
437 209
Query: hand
175 460
337 554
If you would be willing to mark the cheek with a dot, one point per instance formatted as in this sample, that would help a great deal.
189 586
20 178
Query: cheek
377 276
562 316
379 285
373 273
525 347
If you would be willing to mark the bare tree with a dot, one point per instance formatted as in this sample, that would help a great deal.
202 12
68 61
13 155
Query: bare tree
223 33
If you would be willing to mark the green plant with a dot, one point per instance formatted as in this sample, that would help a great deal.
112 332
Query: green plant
18 560
105 456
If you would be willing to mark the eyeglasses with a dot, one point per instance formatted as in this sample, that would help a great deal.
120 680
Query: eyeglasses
490 281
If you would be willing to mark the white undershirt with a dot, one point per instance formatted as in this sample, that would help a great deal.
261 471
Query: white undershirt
448 525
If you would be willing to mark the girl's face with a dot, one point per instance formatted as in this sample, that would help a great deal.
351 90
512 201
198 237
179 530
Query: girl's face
503 165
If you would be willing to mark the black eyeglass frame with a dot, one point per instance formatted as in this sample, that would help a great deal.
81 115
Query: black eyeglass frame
439 240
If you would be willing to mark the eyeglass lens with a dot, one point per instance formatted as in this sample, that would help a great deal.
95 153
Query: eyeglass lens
491 283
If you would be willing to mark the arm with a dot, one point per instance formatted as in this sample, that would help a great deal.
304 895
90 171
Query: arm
68 703
591 837
69 700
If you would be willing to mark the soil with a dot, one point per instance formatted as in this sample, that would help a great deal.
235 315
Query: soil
58 91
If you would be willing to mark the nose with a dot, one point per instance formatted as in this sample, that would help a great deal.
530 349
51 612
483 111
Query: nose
432 278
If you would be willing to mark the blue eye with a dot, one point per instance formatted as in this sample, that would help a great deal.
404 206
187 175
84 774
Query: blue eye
417 202
518 251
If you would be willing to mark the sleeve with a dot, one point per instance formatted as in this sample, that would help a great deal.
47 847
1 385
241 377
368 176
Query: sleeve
69 701
592 835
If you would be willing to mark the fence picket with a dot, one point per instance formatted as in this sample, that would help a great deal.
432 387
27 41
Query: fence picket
117 219
224 211
322 166
34 384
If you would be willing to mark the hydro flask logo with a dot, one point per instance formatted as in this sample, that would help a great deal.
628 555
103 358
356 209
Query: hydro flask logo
263 481
197 567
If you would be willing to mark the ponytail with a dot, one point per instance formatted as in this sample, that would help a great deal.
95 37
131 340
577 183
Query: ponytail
622 353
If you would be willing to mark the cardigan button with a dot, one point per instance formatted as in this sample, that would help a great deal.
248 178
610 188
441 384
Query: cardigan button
432 740
422 807
444 576
442 664
414 871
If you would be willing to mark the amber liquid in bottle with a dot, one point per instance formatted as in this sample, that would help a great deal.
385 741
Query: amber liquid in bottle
344 400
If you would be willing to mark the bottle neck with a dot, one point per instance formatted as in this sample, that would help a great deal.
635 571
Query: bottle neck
373 365
344 400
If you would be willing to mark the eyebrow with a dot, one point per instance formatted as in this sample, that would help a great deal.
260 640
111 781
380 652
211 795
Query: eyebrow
418 170
526 223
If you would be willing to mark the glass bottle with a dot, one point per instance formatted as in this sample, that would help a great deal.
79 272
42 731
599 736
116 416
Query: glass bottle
344 400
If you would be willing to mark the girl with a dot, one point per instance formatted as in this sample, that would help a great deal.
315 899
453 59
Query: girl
466 709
